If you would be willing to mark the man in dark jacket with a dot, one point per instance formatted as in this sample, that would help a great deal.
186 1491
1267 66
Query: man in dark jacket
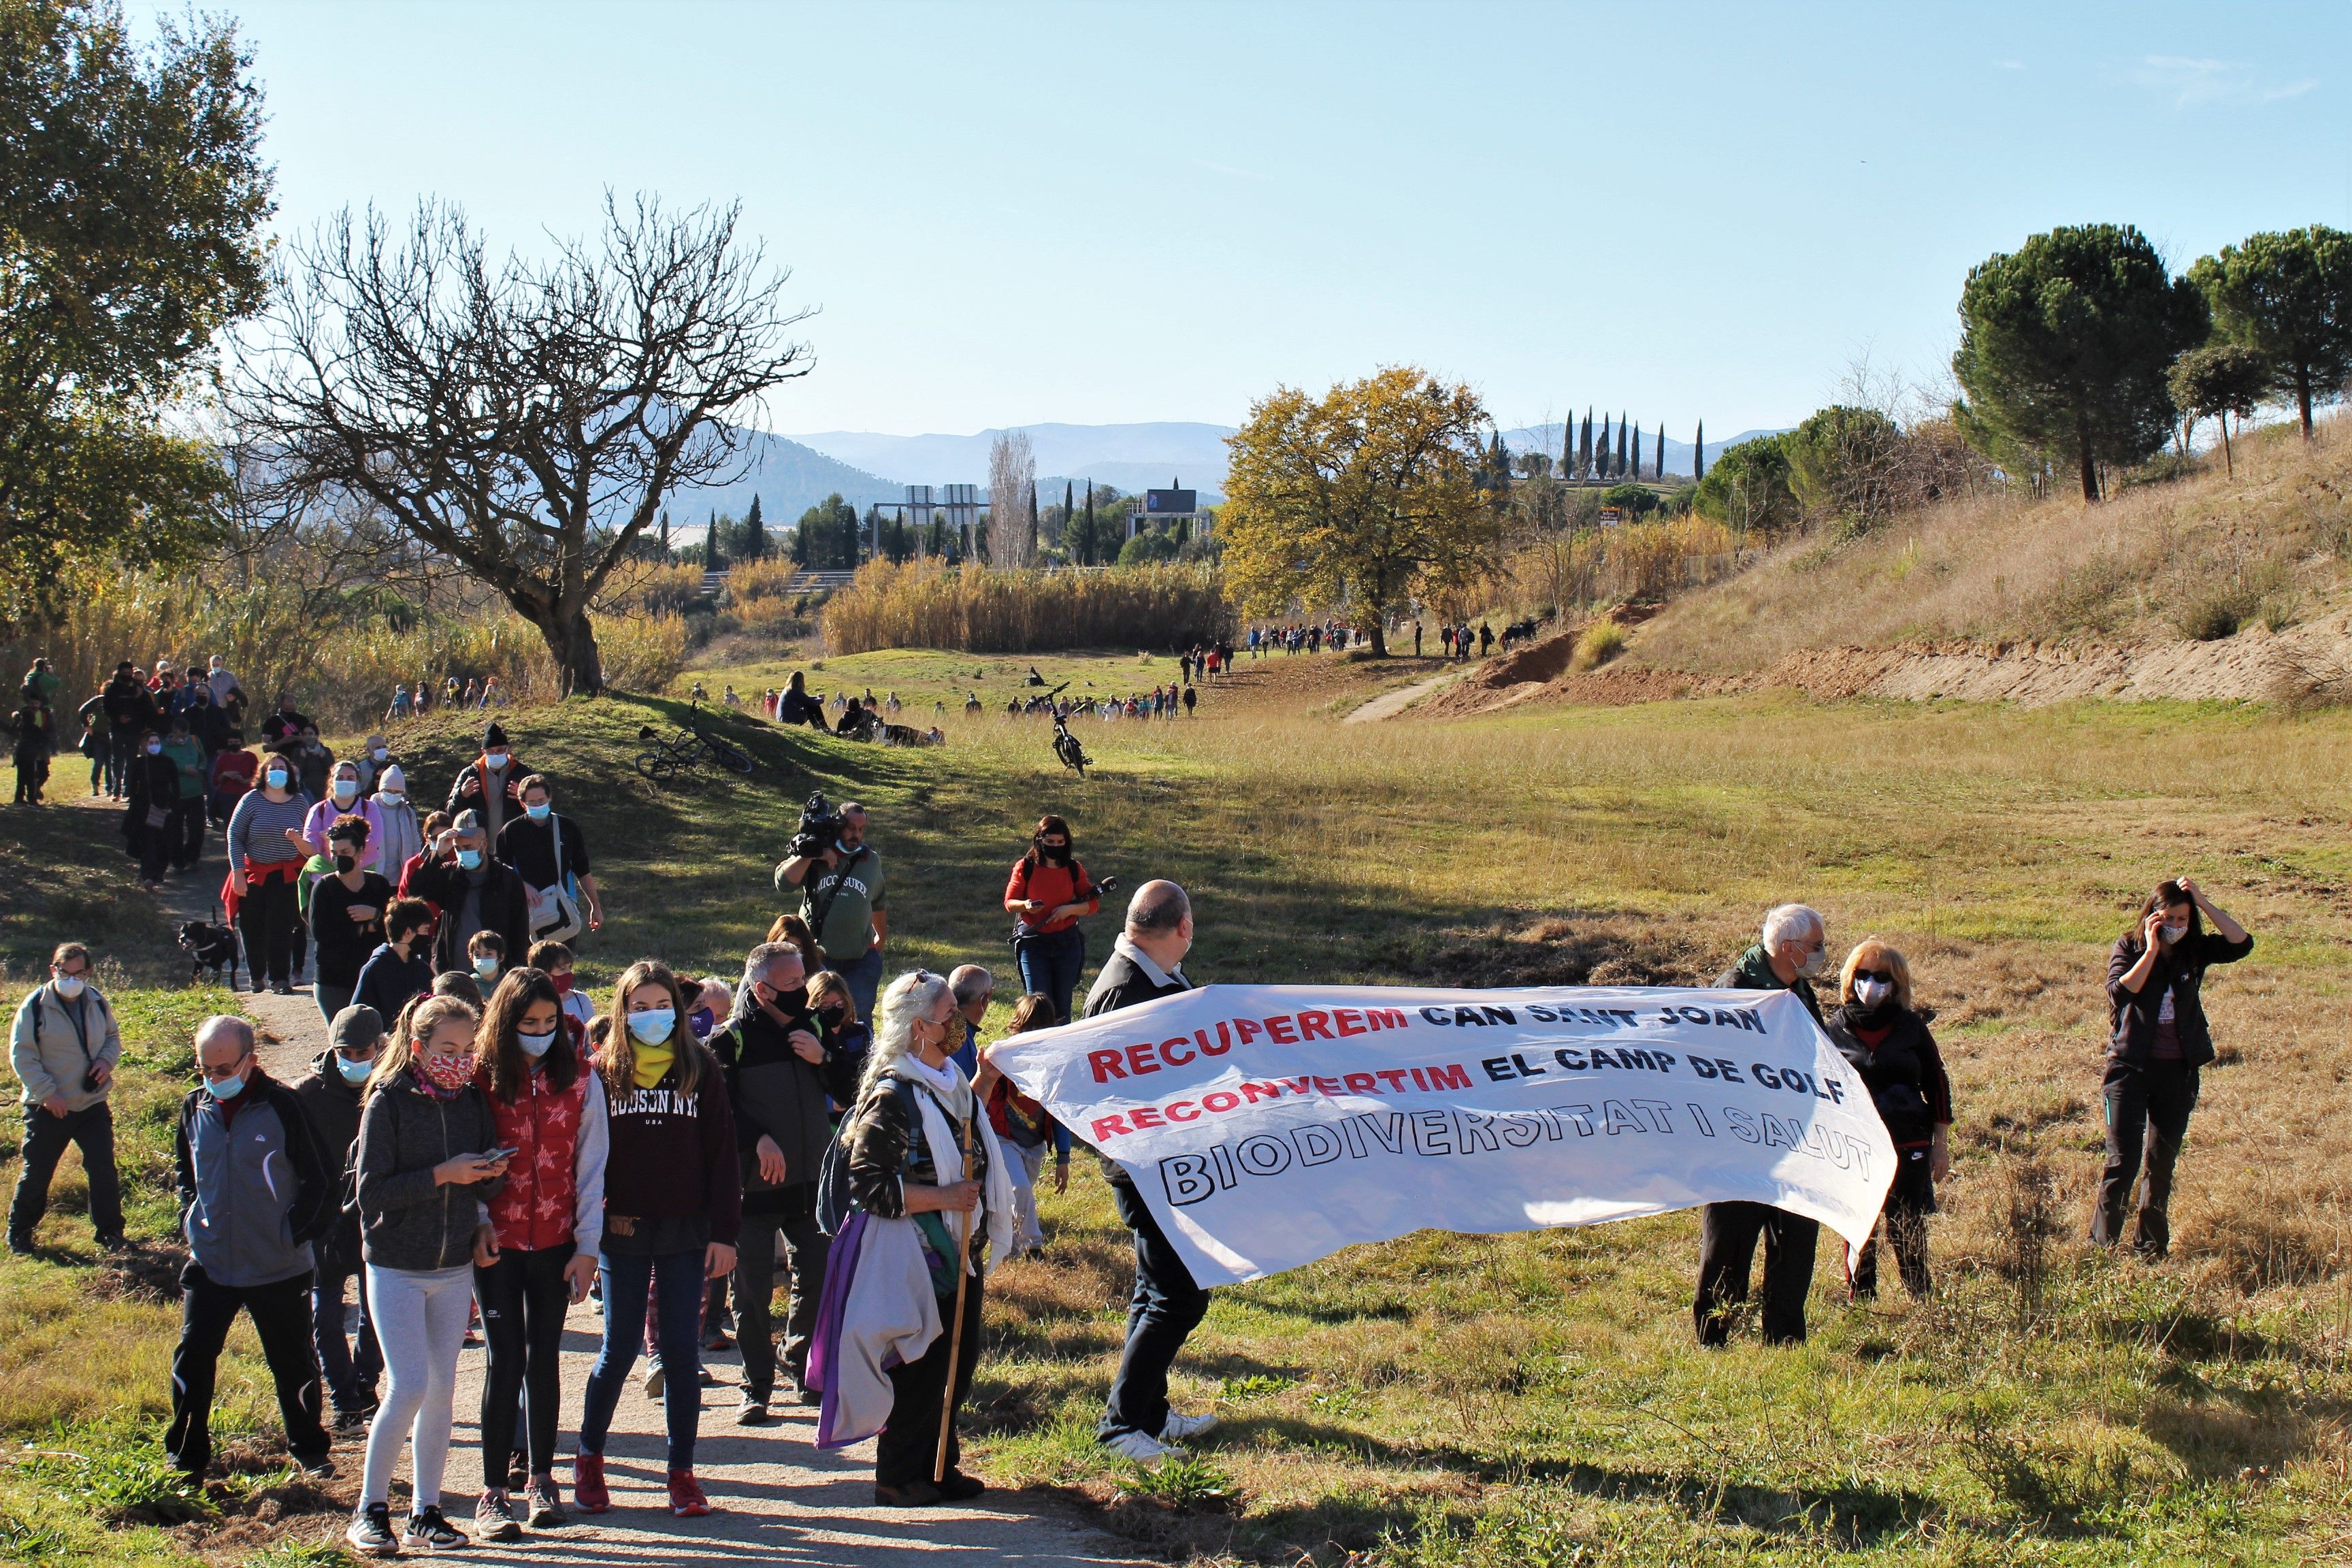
1147 963
2158 1040
329 1097
473 892
253 1195
129 713
1794 949
778 1076
490 784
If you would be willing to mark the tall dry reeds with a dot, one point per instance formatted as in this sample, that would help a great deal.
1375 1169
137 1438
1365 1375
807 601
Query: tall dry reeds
339 655
926 604
1569 569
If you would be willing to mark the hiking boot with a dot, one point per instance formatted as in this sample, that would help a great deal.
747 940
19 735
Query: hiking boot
1136 1445
493 1517
428 1531
371 1532
686 1498
1178 1428
588 1488
913 1494
752 1410
547 1505
957 1487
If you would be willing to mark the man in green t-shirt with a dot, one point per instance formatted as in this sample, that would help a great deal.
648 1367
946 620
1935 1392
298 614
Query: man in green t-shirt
840 900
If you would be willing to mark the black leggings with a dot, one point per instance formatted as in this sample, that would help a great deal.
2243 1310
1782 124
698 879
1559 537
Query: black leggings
267 917
524 1300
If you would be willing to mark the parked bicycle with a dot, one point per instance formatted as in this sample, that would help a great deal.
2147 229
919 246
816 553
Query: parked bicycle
685 753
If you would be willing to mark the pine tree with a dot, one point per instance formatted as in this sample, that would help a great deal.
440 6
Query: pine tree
1699 454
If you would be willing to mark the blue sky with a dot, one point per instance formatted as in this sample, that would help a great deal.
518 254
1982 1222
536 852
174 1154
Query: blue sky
1098 213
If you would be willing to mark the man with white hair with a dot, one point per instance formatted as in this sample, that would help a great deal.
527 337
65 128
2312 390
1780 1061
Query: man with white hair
1794 948
1146 963
974 988
253 1194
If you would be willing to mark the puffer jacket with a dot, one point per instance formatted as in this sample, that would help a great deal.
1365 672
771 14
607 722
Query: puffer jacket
331 1107
406 1220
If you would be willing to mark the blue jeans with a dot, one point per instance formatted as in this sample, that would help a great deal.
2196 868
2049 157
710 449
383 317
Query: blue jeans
1049 965
351 1378
865 977
676 1282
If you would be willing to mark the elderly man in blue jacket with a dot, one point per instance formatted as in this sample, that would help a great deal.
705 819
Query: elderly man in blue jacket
253 1194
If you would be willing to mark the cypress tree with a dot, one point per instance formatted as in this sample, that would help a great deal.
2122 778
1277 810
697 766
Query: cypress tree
710 544
1637 451
755 533
665 536
1601 451
1090 523
1620 446
1699 454
1584 446
1567 444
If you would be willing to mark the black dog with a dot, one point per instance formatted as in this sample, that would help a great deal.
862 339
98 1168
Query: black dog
211 947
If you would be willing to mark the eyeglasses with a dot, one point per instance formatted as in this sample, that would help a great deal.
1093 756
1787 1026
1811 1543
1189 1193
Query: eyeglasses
223 1074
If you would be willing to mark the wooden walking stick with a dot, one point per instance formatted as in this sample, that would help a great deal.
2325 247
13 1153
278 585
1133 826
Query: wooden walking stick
955 1336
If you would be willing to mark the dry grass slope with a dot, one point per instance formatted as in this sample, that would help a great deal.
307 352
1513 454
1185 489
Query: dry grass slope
2196 558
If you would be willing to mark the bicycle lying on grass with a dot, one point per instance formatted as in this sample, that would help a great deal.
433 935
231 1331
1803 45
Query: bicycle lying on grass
685 755
1065 745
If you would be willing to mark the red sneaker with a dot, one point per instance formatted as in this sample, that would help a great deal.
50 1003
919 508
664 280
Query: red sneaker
588 1488
686 1498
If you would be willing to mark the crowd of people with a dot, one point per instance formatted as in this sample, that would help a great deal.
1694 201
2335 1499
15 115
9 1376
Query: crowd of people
480 1137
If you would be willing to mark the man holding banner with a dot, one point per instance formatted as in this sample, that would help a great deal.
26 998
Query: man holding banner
1793 948
1256 1129
1146 964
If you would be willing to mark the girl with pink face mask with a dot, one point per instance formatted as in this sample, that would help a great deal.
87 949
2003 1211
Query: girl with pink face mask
428 1163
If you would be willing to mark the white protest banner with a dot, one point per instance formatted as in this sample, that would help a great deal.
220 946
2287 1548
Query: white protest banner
1267 1126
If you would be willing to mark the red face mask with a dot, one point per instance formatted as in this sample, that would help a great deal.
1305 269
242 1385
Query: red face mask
563 983
449 1072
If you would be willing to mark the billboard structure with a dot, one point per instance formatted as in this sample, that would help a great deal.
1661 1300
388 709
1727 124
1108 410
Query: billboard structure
1171 505
957 506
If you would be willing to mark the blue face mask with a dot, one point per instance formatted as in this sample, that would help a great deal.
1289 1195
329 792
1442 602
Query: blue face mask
654 1025
535 1045
540 811
226 1088
354 1073
470 860
486 966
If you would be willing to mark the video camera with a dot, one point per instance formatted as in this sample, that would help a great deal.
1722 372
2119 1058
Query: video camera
820 826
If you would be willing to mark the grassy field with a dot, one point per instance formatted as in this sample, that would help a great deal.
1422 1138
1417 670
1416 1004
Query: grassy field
1536 1398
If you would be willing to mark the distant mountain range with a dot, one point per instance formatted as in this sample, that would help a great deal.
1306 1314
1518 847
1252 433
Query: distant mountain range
792 473
1130 456
1546 439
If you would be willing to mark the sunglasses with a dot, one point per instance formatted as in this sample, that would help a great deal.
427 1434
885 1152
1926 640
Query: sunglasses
1883 977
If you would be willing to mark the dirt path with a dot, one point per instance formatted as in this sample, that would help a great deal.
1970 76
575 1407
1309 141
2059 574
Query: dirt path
781 1500
1390 704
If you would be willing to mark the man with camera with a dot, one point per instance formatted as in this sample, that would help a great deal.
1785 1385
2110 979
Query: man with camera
840 880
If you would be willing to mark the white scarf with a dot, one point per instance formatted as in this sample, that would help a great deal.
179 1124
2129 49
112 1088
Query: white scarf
946 1155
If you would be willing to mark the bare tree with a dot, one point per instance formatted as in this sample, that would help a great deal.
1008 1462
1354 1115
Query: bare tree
1012 477
525 421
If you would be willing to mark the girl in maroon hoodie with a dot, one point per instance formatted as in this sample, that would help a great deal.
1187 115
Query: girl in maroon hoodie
673 1206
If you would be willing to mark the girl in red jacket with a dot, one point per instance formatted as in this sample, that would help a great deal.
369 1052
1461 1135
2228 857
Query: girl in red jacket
546 1227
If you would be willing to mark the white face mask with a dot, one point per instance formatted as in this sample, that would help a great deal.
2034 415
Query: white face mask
347 789
378 755
393 797
69 985
1871 992
1815 962
2174 934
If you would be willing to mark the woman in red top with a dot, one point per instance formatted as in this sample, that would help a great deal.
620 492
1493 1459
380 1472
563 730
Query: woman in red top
1049 893
537 1253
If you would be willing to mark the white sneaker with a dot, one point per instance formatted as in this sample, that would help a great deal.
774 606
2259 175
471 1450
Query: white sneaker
1135 1446
1178 1428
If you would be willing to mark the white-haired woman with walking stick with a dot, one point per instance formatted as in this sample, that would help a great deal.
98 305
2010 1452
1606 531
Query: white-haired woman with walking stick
898 1327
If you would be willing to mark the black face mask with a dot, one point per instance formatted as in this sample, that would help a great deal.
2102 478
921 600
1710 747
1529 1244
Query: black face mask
792 1001
1055 855
832 1017
346 864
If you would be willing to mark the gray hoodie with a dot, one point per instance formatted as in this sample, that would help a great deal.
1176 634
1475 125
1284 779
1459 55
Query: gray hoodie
406 1220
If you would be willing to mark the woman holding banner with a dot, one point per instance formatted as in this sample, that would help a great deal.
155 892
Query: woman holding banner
1885 1040
899 1328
